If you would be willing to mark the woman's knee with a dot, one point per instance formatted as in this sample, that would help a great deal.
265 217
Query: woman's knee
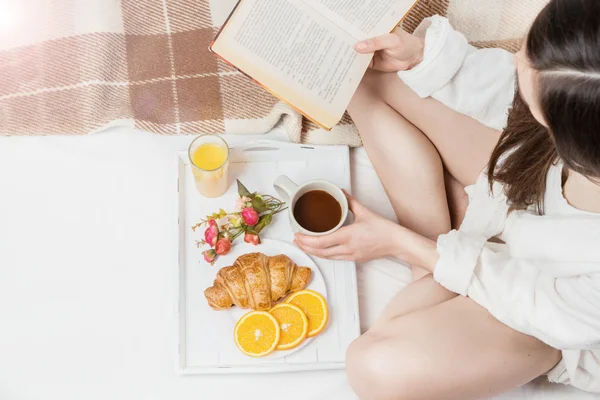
363 367
383 369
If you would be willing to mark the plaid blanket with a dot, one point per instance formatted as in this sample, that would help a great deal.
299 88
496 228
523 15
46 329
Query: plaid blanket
77 66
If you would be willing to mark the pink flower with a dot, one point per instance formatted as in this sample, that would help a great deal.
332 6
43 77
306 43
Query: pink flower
252 238
241 202
210 256
223 246
212 233
250 216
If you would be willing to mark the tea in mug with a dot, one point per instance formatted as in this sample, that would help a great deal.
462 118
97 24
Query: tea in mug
317 211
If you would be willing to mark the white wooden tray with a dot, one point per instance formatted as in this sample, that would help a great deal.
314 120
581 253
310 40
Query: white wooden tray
257 164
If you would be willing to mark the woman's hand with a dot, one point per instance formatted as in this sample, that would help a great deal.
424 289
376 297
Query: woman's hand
396 51
369 237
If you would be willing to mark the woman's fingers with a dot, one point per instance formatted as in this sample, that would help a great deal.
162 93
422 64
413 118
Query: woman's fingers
322 242
333 253
354 205
333 246
389 41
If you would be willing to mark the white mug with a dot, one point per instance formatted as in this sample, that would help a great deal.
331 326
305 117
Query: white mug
292 192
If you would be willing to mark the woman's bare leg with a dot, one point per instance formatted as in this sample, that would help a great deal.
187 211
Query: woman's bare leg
453 350
421 294
407 164
405 156
458 200
464 144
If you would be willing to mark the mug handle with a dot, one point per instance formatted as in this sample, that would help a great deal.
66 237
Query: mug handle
285 187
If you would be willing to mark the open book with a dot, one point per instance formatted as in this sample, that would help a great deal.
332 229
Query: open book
302 51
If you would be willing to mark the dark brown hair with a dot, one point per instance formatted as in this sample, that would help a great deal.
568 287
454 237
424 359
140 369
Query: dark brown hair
563 46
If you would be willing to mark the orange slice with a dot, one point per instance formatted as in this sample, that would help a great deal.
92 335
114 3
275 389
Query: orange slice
257 334
315 308
293 324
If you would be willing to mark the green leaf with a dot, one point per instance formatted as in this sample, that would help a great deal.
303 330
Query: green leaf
242 191
260 225
268 219
263 222
222 213
259 205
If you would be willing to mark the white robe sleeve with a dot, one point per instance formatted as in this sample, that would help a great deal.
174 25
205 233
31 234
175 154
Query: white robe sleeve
477 83
563 312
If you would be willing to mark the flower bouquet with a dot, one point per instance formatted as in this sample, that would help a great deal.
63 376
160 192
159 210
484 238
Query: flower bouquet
253 212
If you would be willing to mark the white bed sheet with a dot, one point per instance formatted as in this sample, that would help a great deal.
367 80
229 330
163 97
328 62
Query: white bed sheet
86 282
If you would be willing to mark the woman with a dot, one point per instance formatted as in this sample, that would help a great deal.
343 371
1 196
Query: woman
482 317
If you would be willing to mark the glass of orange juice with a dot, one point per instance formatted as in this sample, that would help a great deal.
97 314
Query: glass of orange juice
209 156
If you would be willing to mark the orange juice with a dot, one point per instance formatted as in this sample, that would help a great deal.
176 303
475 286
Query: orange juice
208 155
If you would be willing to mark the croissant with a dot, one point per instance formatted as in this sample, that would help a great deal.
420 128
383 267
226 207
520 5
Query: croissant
256 281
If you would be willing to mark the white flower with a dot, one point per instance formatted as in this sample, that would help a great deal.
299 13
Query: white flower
241 202
235 221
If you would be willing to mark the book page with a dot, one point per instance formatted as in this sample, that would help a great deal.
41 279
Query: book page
364 18
296 53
